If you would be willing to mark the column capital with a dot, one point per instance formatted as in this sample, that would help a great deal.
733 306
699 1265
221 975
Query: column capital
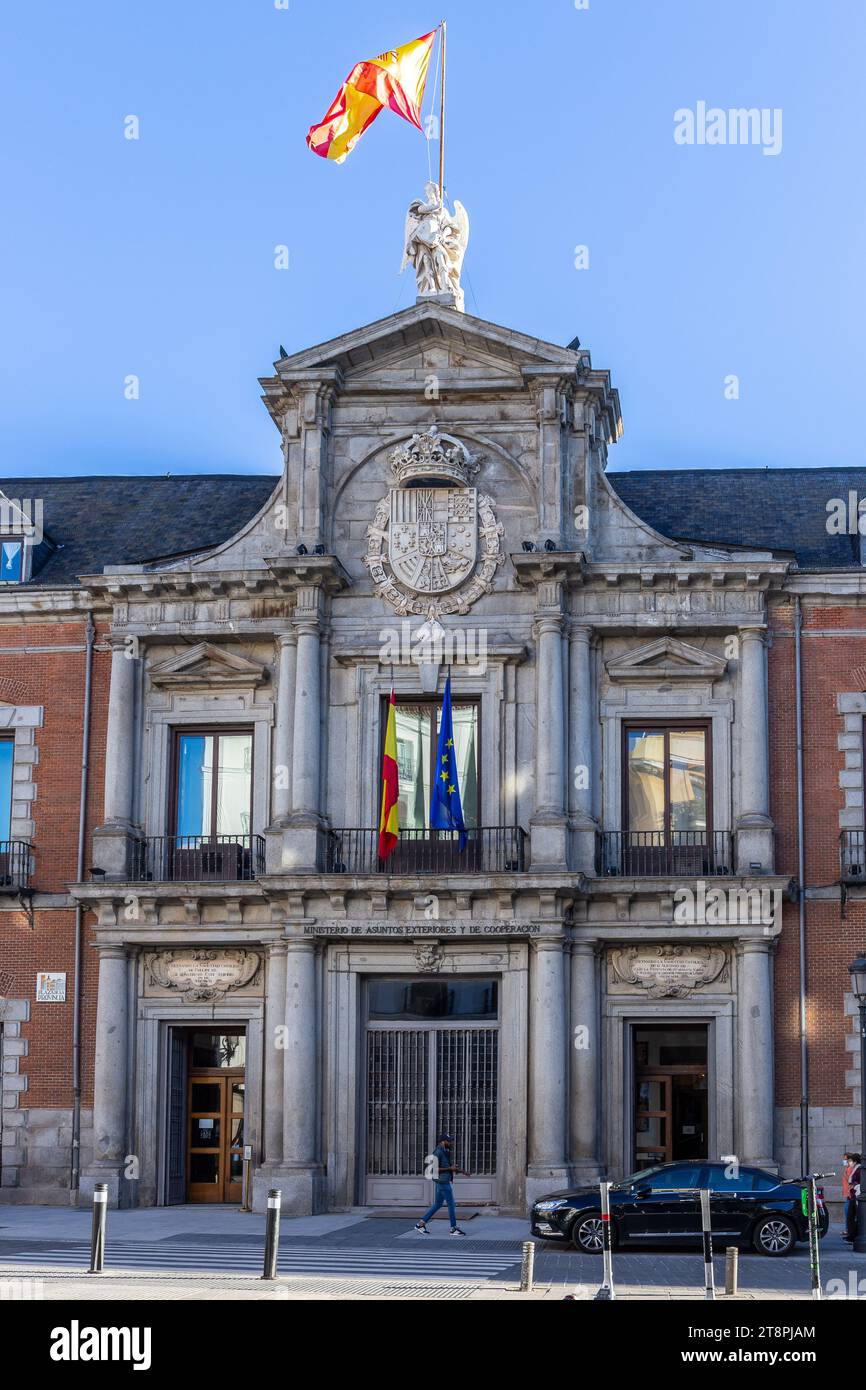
753 634
286 639
581 632
756 945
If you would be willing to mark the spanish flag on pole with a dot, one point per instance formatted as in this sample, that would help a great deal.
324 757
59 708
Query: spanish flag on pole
389 821
395 79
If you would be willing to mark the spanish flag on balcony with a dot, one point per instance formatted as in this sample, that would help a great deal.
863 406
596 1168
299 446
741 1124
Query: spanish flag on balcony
395 79
389 821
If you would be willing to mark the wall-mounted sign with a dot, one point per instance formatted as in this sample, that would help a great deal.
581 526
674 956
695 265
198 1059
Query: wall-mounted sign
433 927
51 987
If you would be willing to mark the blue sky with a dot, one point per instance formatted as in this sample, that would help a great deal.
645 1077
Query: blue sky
155 257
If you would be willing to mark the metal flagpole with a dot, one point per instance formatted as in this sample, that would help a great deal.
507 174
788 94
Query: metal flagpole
442 123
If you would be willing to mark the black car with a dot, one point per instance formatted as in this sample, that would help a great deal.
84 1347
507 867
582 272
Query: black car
753 1208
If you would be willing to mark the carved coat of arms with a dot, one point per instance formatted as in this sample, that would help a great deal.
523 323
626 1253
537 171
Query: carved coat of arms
433 548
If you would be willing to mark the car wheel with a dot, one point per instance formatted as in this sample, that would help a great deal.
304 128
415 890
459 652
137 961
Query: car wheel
587 1234
774 1235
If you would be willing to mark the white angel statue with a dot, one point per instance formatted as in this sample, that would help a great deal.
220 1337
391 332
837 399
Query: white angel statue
435 243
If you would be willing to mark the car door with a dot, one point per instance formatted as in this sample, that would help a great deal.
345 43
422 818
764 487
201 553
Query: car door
733 1200
664 1207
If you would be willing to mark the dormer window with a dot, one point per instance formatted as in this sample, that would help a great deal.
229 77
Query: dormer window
15 555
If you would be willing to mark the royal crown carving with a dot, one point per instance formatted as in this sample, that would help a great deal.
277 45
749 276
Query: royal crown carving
433 455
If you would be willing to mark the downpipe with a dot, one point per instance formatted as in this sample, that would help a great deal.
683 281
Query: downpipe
75 1173
801 890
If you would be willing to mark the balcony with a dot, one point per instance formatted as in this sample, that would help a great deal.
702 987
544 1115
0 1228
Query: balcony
653 854
498 849
14 866
852 856
198 859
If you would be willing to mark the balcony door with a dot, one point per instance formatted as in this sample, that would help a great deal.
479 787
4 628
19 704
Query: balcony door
213 788
417 729
667 798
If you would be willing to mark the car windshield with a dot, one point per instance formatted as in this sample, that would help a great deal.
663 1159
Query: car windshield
639 1176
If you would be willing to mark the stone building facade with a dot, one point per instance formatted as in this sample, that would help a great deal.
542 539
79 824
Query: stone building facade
588 985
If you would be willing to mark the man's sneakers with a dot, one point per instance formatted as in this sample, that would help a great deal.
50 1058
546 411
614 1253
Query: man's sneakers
420 1226
456 1231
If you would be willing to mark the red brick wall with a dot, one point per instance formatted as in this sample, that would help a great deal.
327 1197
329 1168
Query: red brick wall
55 680
830 666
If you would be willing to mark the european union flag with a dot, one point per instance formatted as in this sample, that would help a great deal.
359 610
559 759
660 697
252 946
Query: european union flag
446 812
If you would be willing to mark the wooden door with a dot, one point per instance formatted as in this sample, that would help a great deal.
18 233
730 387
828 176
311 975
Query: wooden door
215 1137
653 1115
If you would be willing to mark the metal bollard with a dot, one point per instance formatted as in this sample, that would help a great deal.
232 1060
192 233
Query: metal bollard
527 1269
607 1290
707 1233
272 1233
732 1267
97 1230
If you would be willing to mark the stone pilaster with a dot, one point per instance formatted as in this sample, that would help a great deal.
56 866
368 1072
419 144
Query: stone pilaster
755 1049
113 840
581 712
274 1054
585 1055
110 1079
754 826
548 1166
281 783
301 837
549 825
300 1175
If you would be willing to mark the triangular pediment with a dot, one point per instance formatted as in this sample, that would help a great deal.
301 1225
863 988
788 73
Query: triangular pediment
208 665
417 329
667 658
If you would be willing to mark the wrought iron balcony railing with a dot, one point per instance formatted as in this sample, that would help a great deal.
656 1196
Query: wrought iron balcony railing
14 865
655 854
852 856
198 858
498 849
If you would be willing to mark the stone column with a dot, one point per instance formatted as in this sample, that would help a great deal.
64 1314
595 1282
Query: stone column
585 1053
548 824
580 770
283 730
754 826
275 1018
755 1047
300 840
110 1080
548 1168
112 842
301 1173
281 799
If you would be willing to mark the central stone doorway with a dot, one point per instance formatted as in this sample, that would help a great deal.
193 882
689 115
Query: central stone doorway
432 1065
670 1109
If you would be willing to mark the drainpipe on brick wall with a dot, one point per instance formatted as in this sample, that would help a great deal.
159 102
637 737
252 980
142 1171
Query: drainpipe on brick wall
75 1175
801 891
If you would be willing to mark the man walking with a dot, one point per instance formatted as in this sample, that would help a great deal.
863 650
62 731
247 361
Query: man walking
443 1186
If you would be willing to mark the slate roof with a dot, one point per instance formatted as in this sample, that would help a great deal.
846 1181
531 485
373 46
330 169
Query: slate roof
782 509
114 521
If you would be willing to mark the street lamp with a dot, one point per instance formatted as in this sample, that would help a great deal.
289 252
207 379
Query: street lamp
857 972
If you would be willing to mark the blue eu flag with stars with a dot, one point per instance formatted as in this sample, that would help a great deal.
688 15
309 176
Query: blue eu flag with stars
446 812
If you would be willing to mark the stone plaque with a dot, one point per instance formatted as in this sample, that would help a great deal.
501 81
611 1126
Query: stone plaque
669 972
203 975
